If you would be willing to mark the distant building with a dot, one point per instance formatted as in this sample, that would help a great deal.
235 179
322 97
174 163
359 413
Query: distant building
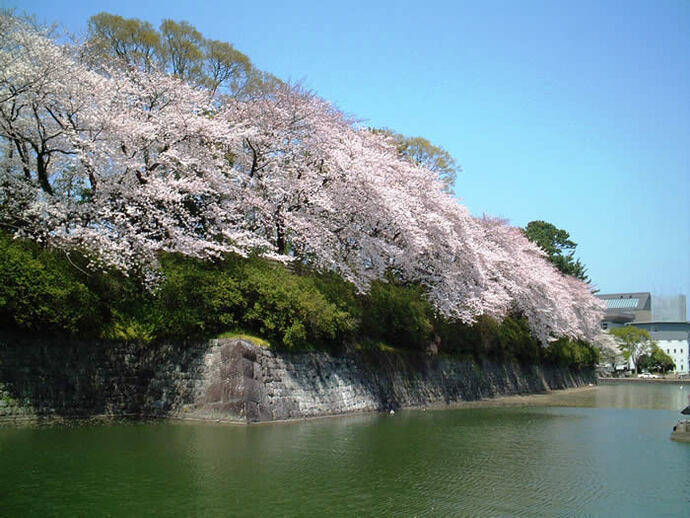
623 308
663 317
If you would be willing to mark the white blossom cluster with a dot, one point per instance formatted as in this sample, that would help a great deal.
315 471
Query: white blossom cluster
129 163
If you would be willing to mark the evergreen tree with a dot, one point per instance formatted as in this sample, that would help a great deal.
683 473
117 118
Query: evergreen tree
558 246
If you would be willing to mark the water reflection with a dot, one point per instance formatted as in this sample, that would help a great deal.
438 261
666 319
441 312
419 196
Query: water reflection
634 395
579 457
620 395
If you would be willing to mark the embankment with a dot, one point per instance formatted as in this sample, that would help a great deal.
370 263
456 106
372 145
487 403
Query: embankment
234 380
672 381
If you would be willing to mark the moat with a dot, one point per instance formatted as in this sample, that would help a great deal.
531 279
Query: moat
589 452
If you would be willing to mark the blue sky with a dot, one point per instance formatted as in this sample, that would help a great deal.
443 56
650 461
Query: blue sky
574 112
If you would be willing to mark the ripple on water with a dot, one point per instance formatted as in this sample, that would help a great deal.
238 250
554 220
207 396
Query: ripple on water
482 461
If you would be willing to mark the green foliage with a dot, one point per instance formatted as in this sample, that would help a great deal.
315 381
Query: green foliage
39 291
225 63
656 360
422 152
509 340
200 300
575 354
560 248
42 291
178 48
633 342
517 342
134 41
288 309
181 48
368 345
630 336
459 339
128 328
195 299
45 291
397 315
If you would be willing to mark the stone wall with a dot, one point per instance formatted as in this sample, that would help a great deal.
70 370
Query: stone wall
44 377
237 381
257 384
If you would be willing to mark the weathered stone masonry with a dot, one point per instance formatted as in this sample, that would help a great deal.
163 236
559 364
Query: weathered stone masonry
238 381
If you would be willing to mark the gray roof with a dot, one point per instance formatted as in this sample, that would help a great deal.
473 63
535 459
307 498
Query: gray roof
631 301
619 317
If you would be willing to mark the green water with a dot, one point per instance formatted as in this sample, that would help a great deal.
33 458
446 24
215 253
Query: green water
601 452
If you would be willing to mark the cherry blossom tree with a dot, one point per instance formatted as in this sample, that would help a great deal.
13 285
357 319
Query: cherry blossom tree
127 163
554 304
609 348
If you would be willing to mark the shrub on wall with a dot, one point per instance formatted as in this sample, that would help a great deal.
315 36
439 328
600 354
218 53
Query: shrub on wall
517 342
509 340
39 291
289 309
397 315
44 291
194 300
571 353
202 299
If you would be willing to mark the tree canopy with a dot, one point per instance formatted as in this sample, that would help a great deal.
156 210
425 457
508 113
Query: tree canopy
126 163
558 246
177 48
421 152
609 349
656 360
633 342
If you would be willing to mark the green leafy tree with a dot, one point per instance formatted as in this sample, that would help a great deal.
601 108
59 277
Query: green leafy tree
559 247
422 152
225 64
179 49
133 41
633 343
656 360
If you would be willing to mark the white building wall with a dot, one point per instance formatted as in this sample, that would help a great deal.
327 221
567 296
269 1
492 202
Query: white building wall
673 338
679 351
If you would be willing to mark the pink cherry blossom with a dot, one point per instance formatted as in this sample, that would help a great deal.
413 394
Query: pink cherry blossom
131 163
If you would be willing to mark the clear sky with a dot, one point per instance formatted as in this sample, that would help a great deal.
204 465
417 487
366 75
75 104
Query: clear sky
574 112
